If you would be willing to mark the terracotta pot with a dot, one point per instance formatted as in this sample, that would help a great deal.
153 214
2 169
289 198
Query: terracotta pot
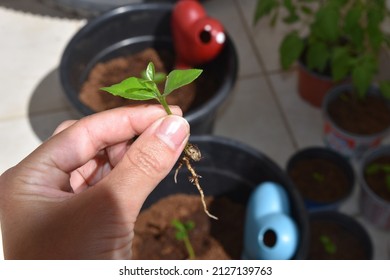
349 144
313 87
375 209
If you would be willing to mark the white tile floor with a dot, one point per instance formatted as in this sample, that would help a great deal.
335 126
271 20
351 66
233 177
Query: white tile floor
272 118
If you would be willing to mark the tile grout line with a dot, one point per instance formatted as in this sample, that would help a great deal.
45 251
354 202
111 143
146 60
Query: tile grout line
266 75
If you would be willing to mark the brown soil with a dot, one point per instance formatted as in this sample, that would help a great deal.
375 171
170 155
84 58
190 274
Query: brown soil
348 245
117 69
378 181
216 240
319 180
360 116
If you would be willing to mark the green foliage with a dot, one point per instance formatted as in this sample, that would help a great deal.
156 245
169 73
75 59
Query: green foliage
145 88
318 177
329 246
182 234
375 168
345 37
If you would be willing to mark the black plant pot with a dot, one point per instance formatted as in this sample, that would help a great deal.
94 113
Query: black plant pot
131 29
233 170
345 233
375 208
321 153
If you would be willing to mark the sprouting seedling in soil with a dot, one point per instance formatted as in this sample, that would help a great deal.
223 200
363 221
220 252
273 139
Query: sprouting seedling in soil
375 168
145 88
318 177
182 234
329 246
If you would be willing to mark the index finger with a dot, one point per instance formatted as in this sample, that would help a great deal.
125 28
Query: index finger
76 145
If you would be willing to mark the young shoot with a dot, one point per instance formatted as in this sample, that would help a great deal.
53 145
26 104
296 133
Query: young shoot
182 234
145 88
318 177
376 168
329 246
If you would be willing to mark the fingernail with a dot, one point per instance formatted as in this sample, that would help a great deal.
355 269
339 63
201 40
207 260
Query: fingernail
173 131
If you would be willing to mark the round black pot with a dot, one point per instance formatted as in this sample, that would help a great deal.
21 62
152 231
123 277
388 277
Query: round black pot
133 28
232 169
375 209
90 8
352 227
330 155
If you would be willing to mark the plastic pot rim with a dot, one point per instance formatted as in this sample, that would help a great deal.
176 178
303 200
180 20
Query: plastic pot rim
368 157
344 219
194 116
335 92
339 160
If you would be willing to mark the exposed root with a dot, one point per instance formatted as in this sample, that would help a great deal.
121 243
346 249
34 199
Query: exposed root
192 152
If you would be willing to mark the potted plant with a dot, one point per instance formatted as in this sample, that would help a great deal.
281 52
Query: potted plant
230 166
336 236
230 173
323 177
343 42
127 35
374 178
353 123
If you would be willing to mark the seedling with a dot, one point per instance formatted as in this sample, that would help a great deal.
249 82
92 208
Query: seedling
375 168
182 234
145 88
329 246
318 177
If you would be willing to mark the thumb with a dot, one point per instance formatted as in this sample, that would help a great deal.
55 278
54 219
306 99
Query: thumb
148 161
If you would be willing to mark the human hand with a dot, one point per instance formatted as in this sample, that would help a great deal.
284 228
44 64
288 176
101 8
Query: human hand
78 195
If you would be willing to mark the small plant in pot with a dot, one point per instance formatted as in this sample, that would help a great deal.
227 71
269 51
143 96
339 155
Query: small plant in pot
374 177
323 177
343 42
229 168
354 123
336 236
121 42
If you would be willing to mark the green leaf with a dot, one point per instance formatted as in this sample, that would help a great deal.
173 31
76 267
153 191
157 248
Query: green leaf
385 88
180 235
189 225
352 18
327 23
353 28
292 13
291 49
372 169
306 10
159 77
149 73
179 78
341 63
386 168
363 74
132 88
329 246
317 56
375 36
178 225
264 7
